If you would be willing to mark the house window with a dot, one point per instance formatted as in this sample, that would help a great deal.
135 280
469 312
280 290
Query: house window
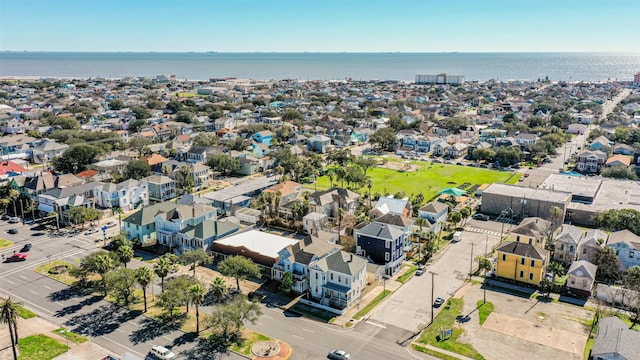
530 276
530 241
339 278
522 261
573 281
584 283
584 251
331 276
387 244
386 256
571 248
533 263
504 257
630 254
518 238
521 273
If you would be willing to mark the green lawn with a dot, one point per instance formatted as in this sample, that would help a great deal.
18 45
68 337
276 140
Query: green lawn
407 275
250 337
25 314
484 310
372 304
428 179
71 336
40 347
446 319
439 355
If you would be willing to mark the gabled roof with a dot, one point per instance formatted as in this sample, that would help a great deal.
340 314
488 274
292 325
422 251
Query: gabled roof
394 206
381 231
623 236
615 337
342 262
185 212
209 228
394 219
625 160
583 268
154 159
570 234
532 227
433 207
146 215
284 188
524 250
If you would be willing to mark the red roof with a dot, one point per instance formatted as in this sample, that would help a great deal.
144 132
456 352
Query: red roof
87 174
10 166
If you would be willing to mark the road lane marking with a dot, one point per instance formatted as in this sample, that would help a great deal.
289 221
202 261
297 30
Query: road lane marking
59 303
307 330
33 292
168 338
10 282
132 323
374 324
120 330
267 316
46 287
299 337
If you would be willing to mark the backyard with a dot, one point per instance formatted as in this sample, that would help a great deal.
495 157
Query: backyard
428 179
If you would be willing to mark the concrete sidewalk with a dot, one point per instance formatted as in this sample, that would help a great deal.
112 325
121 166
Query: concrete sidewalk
38 325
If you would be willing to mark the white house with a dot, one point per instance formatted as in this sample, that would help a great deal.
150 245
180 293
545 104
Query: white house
627 247
336 281
436 212
126 195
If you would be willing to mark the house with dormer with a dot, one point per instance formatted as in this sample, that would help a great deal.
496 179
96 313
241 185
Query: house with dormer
329 201
381 243
169 223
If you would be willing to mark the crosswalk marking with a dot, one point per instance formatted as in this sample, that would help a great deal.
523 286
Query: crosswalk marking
483 231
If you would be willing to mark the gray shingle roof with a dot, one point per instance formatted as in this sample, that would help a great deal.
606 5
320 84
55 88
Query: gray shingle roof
147 215
583 268
342 262
382 231
615 337
524 249
209 228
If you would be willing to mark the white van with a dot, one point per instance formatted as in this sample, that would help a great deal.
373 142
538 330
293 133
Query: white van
456 236
162 352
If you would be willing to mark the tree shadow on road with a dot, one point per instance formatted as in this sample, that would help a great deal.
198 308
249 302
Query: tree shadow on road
213 347
103 320
68 293
68 310
151 329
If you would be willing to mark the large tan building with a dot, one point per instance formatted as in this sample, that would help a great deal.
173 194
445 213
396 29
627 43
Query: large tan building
521 202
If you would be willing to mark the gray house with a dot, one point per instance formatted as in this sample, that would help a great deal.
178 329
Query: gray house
615 341
627 247
581 278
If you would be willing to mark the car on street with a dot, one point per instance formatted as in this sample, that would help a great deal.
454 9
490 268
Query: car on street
5 217
161 352
339 355
91 231
481 217
521 179
12 231
17 257
14 220
111 224
438 302
526 174
420 271
26 247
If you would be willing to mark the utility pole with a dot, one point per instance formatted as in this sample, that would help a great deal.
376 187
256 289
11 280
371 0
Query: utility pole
471 263
432 286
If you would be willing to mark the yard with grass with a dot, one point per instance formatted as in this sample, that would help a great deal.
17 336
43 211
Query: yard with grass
484 310
71 336
25 314
4 243
40 347
411 269
249 337
378 299
446 319
57 269
428 179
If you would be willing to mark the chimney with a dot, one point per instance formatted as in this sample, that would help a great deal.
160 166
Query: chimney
350 258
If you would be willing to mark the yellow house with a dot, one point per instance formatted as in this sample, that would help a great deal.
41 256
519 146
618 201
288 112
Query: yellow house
531 230
522 262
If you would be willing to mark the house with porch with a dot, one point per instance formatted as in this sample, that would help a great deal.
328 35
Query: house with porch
127 195
140 227
627 247
591 161
161 188
435 212
329 201
336 281
581 278
382 244
202 235
169 223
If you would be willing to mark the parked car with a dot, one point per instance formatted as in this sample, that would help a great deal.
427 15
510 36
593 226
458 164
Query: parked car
420 271
5 217
338 355
14 220
481 217
438 302
17 257
13 231
162 352
91 231
526 174
26 247
111 224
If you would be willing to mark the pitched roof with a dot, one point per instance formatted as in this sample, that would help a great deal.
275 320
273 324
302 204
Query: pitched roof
615 337
154 159
87 174
284 188
185 212
583 268
394 206
382 231
10 166
623 236
625 160
532 227
147 214
342 262
570 234
393 219
209 228
524 250
433 207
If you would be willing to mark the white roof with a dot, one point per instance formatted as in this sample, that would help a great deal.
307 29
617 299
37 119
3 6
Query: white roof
260 242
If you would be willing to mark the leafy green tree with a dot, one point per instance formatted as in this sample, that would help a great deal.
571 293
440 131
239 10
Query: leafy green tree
195 258
609 267
556 268
286 282
229 318
619 172
116 104
139 144
237 144
76 158
384 138
154 104
240 268
484 264
205 139
99 263
341 157
168 301
65 122
290 115
81 214
136 125
455 217
144 275
173 107
224 163
9 310
366 163
508 155
137 169
619 219
184 117
140 113
121 282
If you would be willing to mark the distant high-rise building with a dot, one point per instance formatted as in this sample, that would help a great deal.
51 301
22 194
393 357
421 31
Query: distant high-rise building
440 79
636 79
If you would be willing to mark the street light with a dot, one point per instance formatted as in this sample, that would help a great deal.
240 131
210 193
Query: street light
66 336
433 274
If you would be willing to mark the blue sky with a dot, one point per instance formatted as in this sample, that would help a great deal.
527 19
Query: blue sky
320 25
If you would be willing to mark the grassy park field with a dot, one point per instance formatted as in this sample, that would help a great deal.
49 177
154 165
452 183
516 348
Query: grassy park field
428 179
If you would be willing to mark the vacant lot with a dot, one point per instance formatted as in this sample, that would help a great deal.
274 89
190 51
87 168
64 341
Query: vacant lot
428 179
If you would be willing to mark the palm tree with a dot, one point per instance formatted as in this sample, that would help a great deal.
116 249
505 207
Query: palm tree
9 316
556 215
13 197
162 268
196 295
144 275
218 288
465 212
119 211
332 177
125 254
369 186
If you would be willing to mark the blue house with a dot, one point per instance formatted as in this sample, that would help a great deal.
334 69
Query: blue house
263 137
381 244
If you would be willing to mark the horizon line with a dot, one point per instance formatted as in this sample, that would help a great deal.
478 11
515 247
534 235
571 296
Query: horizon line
319 52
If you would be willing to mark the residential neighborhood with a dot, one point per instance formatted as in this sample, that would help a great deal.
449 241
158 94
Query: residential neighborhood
347 203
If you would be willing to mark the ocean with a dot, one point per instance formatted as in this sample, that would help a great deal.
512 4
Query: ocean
324 66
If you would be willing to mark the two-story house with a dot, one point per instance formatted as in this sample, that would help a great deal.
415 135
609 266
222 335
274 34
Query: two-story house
521 262
391 205
627 247
566 243
296 259
436 212
531 230
329 201
288 191
45 151
591 243
201 175
336 281
161 188
169 223
60 200
401 223
581 277
140 227
202 235
263 137
126 195
591 161
320 144
383 244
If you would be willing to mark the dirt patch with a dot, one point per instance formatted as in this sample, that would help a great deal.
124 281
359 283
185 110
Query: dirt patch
536 332
207 276
406 167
